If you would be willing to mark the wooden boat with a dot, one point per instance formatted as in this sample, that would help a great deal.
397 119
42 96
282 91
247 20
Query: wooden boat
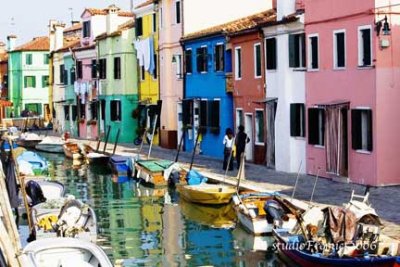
204 193
31 163
51 145
252 212
155 172
65 218
294 247
214 216
72 151
95 158
63 252
29 140
120 166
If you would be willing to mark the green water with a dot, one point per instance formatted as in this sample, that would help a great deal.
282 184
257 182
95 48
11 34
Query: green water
153 227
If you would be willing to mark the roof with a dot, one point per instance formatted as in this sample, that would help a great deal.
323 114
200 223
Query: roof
37 44
3 57
75 27
79 48
238 25
69 43
125 26
148 2
103 12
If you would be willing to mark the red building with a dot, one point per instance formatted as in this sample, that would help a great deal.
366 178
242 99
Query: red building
249 93
3 79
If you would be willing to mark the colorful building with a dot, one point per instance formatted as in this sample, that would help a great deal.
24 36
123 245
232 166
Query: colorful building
353 89
248 82
171 76
28 74
3 81
285 66
118 91
146 45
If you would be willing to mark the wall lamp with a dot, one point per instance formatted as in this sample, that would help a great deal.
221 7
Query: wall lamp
385 25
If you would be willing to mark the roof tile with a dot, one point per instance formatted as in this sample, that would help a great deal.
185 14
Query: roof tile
37 44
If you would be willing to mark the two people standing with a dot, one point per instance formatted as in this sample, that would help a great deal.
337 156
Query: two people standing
240 142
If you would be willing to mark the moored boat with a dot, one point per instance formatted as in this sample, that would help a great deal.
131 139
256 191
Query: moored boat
29 140
212 194
31 163
72 150
51 145
120 166
155 172
63 252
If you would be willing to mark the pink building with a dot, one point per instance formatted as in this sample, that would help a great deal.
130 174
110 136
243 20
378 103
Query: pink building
352 90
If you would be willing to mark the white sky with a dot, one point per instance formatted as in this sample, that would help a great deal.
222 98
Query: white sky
31 17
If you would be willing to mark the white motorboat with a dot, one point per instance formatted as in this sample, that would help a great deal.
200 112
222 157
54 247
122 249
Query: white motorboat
65 252
51 145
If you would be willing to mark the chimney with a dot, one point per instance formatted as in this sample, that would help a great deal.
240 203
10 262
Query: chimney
59 35
51 34
285 8
11 39
112 18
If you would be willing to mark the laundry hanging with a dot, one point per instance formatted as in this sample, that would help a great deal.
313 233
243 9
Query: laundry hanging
77 88
145 53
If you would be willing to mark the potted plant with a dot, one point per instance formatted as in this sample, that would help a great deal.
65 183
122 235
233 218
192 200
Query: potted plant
91 122
81 120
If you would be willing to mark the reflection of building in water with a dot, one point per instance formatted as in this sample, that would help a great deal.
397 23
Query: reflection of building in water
173 233
118 216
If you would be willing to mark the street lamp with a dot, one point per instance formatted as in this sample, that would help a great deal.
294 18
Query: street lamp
385 25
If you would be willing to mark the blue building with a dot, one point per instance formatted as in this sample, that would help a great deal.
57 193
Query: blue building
208 102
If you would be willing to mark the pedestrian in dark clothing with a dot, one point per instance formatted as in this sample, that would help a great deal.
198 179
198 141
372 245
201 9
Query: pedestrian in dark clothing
228 146
241 140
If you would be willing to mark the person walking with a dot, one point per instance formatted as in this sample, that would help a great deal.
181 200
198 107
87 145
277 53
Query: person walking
228 145
241 140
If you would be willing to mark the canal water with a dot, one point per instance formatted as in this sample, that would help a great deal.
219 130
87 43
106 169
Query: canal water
153 227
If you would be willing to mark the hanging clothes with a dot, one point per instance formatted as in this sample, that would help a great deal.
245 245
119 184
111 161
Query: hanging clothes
84 88
77 88
145 53
139 52
151 55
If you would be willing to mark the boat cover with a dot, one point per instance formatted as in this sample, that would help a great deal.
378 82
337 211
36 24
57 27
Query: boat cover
342 223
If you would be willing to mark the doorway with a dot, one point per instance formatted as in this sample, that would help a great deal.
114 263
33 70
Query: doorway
248 127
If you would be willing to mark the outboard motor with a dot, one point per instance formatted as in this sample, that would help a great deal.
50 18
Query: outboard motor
173 179
274 213
34 191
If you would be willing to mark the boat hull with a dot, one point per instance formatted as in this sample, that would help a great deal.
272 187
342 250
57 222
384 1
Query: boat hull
207 193
50 148
72 151
28 143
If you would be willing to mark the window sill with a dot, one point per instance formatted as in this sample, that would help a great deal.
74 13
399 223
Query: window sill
299 69
302 138
203 72
259 144
238 79
272 70
368 67
339 68
312 70
319 146
257 77
366 152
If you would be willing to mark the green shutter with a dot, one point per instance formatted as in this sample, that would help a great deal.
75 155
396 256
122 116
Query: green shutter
292 61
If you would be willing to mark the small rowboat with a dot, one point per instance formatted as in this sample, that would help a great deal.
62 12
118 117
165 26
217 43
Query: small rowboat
72 151
63 252
204 193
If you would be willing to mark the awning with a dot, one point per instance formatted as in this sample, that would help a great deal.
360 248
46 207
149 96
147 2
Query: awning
266 100
334 103
5 103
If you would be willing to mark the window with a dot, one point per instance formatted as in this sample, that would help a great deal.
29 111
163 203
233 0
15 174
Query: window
187 112
203 123
364 46
82 111
117 68
66 112
178 61
178 12
74 112
297 50
270 45
93 110
28 59
142 73
155 72
259 126
103 68
313 52
219 57
79 69
239 117
62 72
45 81
188 61
139 27
316 126
30 82
65 77
201 54
72 75
46 59
103 109
154 22
238 63
115 110
339 50
34 108
361 129
297 120
213 116
257 60
94 68
86 29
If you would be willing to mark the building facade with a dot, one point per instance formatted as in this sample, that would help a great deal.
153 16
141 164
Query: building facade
28 74
352 87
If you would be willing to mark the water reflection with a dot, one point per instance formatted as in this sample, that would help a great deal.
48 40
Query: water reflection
153 227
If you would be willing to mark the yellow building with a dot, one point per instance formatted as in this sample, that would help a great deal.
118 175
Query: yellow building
146 45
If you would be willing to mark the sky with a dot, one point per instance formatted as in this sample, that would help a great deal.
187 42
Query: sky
30 18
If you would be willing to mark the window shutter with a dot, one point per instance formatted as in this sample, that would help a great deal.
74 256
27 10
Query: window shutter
369 130
356 129
74 113
314 52
303 49
295 128
66 112
292 62
271 53
94 68
203 113
340 49
215 115
65 77
186 112
25 81
366 36
313 126
138 27
199 59
103 109
34 81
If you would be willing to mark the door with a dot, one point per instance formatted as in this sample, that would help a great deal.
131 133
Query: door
248 128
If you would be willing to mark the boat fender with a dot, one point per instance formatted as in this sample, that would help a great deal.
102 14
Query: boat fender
35 192
252 214
236 200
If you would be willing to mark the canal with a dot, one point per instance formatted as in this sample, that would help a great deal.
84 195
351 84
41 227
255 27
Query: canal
153 227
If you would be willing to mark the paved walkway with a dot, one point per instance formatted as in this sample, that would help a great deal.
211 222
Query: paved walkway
385 200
